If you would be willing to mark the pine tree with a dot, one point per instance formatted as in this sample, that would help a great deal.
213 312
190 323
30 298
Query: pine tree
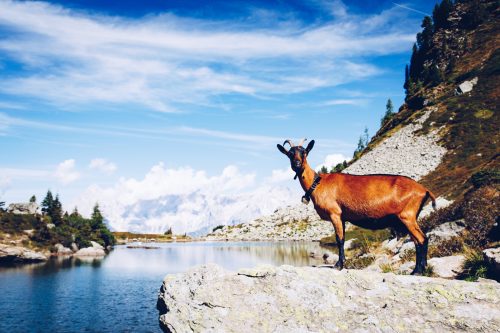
323 169
415 63
48 203
57 211
97 218
407 78
424 38
441 13
389 113
33 199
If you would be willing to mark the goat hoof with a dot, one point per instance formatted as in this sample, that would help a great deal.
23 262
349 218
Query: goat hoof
418 271
339 265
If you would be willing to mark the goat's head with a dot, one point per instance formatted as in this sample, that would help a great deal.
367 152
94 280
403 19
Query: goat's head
297 154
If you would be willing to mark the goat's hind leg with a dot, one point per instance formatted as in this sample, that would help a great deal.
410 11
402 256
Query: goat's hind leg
340 237
421 243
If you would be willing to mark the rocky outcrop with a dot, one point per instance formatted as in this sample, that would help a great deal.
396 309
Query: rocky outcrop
96 250
404 153
447 267
61 250
23 208
446 231
466 86
18 254
307 299
299 222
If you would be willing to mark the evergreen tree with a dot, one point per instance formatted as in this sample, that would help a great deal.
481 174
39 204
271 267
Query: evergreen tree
33 199
424 38
75 212
57 211
362 142
415 63
389 113
96 218
48 203
407 78
323 169
441 13
168 232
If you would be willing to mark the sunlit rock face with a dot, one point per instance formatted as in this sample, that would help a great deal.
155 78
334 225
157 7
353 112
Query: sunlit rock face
307 299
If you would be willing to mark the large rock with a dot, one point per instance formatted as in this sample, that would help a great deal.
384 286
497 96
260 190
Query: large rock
446 231
62 250
90 252
466 86
307 299
13 254
447 267
23 208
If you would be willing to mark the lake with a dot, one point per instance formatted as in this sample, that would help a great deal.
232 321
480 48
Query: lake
118 293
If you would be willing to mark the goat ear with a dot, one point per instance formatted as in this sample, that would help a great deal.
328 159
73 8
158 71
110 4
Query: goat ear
310 146
282 149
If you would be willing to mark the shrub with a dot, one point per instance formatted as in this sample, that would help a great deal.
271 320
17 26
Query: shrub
474 266
485 177
217 228
359 262
446 248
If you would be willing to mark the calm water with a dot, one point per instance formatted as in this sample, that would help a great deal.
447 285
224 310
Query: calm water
118 293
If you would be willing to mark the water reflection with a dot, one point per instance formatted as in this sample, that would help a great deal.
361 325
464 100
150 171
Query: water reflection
86 294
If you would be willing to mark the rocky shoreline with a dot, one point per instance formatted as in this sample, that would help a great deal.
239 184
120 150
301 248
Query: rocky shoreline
306 299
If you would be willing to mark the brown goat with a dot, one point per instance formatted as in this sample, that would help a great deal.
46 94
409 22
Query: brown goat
368 201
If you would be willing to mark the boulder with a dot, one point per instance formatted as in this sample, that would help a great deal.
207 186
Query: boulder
390 245
90 252
96 245
13 254
308 299
62 250
23 208
492 256
447 267
466 86
446 231
350 244
74 247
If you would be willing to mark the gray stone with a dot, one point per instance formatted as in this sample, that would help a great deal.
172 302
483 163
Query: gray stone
466 86
447 267
307 299
90 252
349 244
74 247
398 153
96 245
446 231
391 245
62 250
23 208
492 256
19 254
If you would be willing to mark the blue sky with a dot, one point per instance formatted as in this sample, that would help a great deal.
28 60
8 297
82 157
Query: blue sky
97 93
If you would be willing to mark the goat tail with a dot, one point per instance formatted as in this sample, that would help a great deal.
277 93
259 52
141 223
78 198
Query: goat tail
433 198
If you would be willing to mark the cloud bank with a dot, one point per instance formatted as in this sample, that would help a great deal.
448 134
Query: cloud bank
165 61
184 199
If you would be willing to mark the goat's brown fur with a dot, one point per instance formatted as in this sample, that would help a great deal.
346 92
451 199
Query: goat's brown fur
369 201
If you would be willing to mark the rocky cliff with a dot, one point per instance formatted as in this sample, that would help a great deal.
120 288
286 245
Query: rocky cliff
307 299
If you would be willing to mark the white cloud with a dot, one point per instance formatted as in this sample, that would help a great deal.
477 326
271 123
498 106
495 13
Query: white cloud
185 199
65 172
102 165
164 61
281 175
332 160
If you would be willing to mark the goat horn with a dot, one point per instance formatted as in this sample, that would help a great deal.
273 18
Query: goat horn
302 141
289 142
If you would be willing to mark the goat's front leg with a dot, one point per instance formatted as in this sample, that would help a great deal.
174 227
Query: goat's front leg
339 236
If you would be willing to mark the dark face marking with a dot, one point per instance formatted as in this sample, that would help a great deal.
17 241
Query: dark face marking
297 156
